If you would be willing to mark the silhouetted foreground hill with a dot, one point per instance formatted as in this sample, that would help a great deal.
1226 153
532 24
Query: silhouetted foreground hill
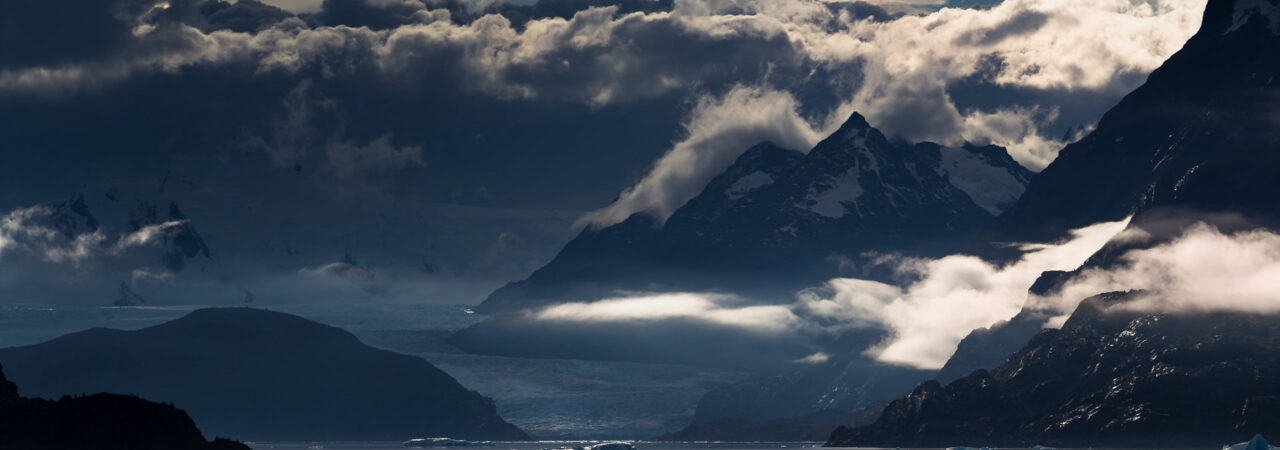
1109 378
263 375
99 421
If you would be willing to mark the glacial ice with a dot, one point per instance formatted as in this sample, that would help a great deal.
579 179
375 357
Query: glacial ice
1257 443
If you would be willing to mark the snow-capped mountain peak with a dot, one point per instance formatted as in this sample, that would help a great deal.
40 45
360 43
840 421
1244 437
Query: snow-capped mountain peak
781 219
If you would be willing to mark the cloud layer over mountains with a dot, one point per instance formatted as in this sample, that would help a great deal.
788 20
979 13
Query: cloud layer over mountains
398 105
1019 74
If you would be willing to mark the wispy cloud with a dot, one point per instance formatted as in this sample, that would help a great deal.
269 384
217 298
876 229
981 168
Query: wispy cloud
952 297
145 236
33 231
1202 269
717 132
711 308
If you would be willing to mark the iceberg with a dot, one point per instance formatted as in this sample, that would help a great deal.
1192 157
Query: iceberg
600 446
442 442
1257 443
611 446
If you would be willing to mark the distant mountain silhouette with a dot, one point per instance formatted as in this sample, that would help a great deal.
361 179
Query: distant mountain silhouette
99 421
263 375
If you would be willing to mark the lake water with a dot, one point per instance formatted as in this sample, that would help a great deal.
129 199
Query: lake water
539 445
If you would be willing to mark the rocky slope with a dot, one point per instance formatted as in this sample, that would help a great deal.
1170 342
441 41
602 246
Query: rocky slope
778 220
1198 135
262 375
1195 143
1109 377
99 421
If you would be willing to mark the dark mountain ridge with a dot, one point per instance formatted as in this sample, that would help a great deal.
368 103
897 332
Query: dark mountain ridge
263 375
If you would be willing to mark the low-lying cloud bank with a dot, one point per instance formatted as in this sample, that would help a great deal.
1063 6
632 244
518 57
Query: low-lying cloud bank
950 298
711 308
1204 269
1201 269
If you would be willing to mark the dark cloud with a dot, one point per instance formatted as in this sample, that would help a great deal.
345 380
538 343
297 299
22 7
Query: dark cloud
382 14
559 105
1022 23
519 15
243 16
36 33
864 10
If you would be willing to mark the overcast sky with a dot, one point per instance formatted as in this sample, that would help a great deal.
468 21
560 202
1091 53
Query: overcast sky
479 133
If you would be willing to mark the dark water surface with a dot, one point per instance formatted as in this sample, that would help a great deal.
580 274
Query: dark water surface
539 445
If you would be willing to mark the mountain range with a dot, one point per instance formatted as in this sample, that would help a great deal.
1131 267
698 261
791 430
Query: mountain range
1196 143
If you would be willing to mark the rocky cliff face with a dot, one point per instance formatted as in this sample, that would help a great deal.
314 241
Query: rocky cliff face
1110 377
1198 135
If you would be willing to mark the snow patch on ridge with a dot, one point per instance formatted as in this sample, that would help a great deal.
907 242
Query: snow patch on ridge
748 183
991 187
831 203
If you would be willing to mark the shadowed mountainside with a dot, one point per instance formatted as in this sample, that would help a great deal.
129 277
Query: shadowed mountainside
263 375
1110 377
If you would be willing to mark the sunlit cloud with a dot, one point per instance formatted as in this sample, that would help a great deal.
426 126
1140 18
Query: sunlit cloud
1203 269
711 308
953 296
